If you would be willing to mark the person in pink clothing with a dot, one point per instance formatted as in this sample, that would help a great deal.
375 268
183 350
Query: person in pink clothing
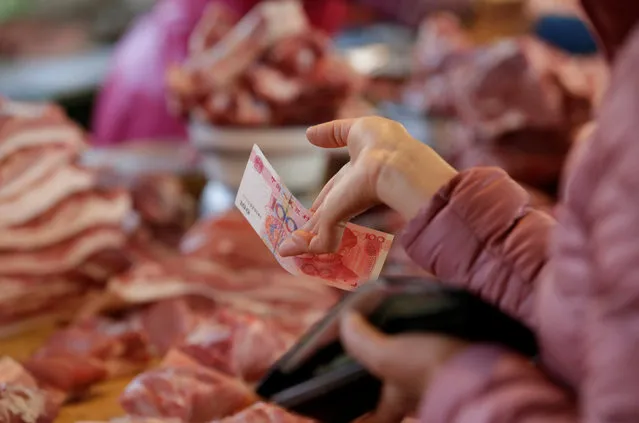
573 279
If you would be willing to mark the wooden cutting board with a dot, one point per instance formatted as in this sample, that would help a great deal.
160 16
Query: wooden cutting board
103 403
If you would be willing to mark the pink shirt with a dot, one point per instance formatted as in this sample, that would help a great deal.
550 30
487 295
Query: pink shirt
574 280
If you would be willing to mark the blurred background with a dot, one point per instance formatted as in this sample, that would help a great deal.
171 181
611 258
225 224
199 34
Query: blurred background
128 72
60 50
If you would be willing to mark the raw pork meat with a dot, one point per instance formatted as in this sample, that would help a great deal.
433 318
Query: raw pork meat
75 214
135 419
21 400
500 92
37 199
87 352
64 256
236 343
269 68
164 206
53 220
21 298
25 167
228 239
476 82
518 102
261 291
24 125
264 413
181 388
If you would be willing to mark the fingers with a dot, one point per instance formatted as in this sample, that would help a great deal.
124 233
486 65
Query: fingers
298 243
331 134
329 185
403 360
393 406
365 344
343 202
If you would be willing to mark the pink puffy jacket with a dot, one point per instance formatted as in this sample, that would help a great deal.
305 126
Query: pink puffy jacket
574 280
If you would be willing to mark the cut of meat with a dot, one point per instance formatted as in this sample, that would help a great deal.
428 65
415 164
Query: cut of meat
102 266
249 110
298 55
142 247
220 65
229 239
62 257
133 419
238 344
45 194
264 413
21 297
168 322
273 86
270 68
73 215
12 373
90 351
25 125
162 199
501 91
162 204
181 388
265 292
584 77
23 168
21 400
23 405
69 374
217 20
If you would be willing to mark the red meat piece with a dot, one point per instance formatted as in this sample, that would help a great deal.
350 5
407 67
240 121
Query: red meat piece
21 400
238 344
228 239
264 413
183 389
90 351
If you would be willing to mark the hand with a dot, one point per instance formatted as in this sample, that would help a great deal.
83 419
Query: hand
404 363
387 166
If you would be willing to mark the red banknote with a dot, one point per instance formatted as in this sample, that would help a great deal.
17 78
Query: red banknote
275 213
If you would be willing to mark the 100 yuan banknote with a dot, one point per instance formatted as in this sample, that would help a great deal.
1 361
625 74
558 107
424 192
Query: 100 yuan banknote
275 213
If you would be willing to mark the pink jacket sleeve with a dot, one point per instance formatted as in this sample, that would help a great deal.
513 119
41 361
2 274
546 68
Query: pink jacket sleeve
497 251
485 384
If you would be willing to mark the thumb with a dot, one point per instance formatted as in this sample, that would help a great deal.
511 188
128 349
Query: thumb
331 134
365 344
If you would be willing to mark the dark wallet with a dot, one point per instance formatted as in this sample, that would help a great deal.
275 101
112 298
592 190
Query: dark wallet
317 379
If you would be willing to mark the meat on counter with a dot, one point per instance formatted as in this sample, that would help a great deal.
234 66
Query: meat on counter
269 68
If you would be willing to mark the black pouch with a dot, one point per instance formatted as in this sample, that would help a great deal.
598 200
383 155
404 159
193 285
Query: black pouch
317 379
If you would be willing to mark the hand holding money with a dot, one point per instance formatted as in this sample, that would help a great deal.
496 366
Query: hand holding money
387 166
275 214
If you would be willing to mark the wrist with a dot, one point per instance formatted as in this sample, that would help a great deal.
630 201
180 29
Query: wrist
407 183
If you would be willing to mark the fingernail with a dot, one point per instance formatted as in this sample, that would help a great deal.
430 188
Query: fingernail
296 244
